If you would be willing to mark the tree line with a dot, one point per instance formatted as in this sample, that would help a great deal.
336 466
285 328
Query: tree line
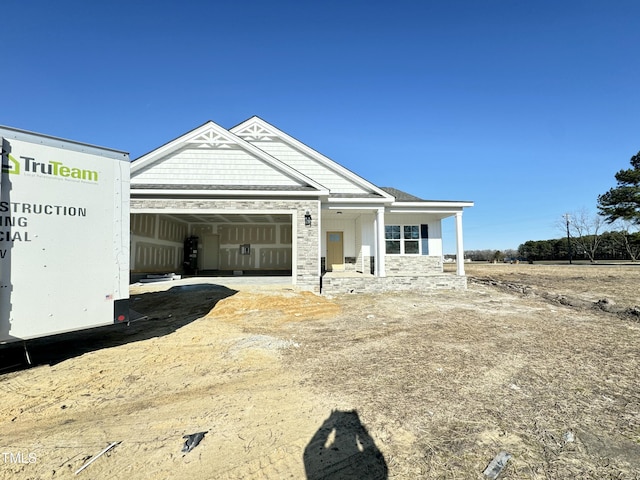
586 237
609 245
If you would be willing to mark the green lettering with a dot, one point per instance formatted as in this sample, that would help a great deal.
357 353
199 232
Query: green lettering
60 170
90 175
55 167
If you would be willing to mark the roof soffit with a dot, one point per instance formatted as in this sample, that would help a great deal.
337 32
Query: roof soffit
256 129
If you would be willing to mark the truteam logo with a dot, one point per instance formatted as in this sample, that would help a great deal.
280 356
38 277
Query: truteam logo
12 165
55 169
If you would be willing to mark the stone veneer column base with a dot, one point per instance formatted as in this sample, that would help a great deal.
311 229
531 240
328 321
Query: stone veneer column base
340 285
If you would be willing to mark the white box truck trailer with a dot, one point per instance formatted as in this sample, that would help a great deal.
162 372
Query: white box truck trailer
64 236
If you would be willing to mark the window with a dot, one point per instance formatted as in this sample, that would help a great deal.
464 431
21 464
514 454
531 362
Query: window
411 238
404 239
392 238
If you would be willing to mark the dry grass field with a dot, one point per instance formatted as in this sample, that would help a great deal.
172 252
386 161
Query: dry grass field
537 361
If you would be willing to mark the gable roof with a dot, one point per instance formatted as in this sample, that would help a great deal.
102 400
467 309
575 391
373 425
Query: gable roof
210 156
255 158
340 181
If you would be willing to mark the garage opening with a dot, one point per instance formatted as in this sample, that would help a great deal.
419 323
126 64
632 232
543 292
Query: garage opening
211 244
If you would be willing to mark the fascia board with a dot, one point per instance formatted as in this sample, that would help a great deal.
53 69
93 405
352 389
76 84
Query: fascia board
436 204
168 147
444 212
381 202
314 154
439 214
423 210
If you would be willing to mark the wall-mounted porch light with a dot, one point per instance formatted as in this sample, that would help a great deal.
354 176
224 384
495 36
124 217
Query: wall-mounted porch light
307 219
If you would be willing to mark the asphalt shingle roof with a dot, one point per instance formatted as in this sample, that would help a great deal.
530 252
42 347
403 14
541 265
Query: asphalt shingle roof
401 196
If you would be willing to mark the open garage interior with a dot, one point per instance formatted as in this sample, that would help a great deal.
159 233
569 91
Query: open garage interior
211 244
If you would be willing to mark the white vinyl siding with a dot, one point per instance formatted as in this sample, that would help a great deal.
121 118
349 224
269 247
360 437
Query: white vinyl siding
213 167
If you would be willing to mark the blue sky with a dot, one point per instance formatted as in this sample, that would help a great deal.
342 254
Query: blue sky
526 108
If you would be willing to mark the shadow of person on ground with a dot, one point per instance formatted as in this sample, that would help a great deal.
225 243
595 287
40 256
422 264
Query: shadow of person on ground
342 449
164 312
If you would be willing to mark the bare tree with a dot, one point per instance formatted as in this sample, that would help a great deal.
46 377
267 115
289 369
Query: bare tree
625 236
510 253
584 230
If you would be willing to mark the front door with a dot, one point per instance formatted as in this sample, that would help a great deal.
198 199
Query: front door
210 252
335 252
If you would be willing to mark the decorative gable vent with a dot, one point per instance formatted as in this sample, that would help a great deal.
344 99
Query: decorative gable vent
255 133
212 139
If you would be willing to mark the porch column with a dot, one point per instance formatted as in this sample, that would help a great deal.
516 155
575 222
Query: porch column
459 246
380 244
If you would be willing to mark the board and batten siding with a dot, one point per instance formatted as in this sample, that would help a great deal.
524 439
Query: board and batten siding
435 230
213 167
368 240
328 178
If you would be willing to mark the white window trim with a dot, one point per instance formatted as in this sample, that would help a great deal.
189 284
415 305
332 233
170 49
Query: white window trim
402 240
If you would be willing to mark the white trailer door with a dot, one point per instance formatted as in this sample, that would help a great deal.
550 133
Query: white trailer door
63 242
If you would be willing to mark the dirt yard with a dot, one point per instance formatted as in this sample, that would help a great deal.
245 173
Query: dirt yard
537 361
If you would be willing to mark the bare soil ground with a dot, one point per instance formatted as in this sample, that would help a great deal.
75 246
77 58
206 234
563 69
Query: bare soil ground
537 361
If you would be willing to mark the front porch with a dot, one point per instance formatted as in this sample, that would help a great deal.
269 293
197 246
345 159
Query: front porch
335 283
